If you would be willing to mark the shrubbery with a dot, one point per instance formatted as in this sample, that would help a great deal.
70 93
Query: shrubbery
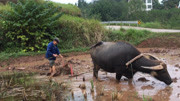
68 9
29 25
167 18
79 32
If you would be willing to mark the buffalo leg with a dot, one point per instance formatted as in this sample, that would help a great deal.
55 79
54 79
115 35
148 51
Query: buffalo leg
95 71
118 76
129 75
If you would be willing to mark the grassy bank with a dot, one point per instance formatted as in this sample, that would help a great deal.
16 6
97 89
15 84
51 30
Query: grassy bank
69 9
5 56
72 30
80 32
132 36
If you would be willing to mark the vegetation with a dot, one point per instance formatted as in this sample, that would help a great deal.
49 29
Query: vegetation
42 26
74 32
5 56
80 32
29 20
166 14
131 35
23 86
68 9
151 25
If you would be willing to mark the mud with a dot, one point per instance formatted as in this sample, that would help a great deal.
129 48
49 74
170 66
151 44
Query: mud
143 86
169 41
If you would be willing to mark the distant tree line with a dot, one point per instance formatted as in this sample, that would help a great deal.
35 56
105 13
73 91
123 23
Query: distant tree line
106 10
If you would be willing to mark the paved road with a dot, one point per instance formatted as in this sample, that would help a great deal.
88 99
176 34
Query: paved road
140 28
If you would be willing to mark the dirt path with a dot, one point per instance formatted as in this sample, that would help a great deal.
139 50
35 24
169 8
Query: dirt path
140 28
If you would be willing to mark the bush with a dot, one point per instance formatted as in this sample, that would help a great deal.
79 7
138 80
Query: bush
28 25
78 32
69 9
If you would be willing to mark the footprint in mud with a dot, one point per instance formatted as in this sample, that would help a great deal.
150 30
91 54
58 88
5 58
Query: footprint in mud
147 87
177 65
143 79
174 80
178 95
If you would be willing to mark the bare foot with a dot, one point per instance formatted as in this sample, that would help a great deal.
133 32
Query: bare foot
52 74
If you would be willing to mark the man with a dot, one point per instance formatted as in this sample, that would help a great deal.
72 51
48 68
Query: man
52 53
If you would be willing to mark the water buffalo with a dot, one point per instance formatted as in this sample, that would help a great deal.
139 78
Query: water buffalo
113 57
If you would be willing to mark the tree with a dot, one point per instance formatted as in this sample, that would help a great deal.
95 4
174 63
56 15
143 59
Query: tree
168 4
30 24
157 5
135 9
108 9
83 6
136 5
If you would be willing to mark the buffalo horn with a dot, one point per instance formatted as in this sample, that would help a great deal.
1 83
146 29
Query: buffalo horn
158 67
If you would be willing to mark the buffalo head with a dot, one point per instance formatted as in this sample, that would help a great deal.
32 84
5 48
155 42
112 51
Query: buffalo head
160 72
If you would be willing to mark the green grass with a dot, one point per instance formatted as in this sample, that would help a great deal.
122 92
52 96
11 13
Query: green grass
6 56
4 7
69 9
134 36
80 32
147 98
131 35
151 25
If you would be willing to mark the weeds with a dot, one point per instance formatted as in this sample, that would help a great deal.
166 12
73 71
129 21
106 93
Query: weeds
146 98
22 85
92 85
5 56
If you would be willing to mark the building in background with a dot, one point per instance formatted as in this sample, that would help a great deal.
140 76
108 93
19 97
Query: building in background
148 4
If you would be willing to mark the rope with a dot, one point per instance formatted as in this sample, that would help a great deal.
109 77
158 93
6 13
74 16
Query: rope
135 58
132 75
139 56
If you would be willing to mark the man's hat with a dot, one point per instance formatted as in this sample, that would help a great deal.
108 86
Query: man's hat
56 39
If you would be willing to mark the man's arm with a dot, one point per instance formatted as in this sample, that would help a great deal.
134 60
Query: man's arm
58 52
49 48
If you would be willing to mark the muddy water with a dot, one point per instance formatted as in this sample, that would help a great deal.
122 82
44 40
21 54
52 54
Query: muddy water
138 90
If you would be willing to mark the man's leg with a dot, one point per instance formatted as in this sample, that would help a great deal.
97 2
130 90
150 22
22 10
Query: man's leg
52 69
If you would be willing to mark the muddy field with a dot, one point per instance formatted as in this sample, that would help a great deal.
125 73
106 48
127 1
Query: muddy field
85 88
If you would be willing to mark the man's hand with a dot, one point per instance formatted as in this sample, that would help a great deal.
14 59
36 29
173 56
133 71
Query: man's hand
55 55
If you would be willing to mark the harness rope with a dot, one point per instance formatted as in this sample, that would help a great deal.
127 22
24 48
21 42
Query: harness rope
135 58
139 56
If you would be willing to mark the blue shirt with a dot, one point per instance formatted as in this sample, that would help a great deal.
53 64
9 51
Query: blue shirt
52 49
